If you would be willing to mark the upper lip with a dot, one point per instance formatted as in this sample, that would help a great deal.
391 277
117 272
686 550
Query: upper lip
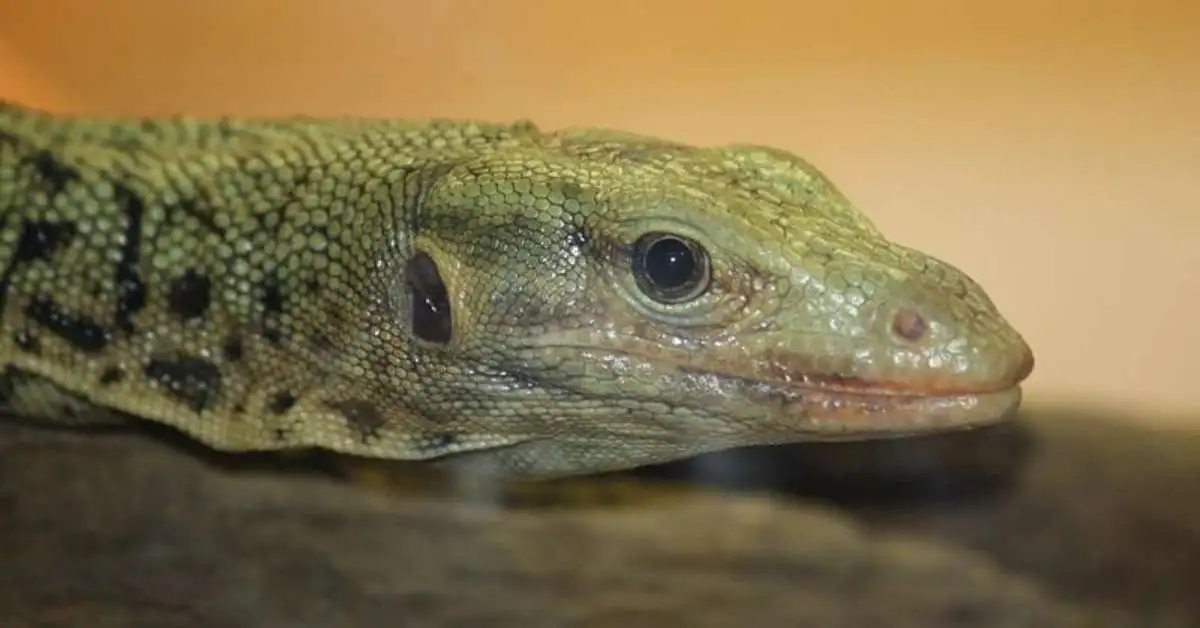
929 384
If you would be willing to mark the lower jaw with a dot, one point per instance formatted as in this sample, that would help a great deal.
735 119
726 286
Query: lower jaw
842 415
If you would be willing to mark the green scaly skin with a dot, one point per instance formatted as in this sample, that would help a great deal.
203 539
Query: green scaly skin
251 283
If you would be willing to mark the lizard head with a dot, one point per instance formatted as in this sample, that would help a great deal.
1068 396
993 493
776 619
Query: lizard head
613 301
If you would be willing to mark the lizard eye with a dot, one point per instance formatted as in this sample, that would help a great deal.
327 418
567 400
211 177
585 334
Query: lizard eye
670 268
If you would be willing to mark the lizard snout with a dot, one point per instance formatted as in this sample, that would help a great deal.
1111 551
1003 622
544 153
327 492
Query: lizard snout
952 352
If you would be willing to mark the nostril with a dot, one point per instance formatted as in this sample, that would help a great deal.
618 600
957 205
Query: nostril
909 325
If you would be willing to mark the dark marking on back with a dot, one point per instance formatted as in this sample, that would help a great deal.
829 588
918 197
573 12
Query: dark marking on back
233 348
273 298
27 342
273 302
190 295
131 290
361 416
273 335
281 402
82 332
40 239
429 308
111 375
191 380
54 174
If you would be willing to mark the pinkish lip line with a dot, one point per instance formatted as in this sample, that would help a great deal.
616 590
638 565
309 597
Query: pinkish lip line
854 385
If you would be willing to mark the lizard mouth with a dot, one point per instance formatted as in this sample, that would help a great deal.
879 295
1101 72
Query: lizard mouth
841 412
841 407
782 407
828 407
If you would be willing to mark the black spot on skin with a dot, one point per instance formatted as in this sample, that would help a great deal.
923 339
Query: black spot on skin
82 332
281 402
131 291
190 295
273 302
430 304
54 174
233 349
40 239
193 381
239 408
273 335
27 342
437 443
312 285
362 416
111 375
272 298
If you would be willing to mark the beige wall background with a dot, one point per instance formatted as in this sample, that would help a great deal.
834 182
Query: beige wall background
1051 148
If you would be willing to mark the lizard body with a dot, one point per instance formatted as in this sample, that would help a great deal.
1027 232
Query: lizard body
550 303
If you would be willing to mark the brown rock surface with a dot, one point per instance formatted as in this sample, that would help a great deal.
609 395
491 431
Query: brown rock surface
105 530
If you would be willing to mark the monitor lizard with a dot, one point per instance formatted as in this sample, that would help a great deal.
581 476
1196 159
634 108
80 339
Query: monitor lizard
548 303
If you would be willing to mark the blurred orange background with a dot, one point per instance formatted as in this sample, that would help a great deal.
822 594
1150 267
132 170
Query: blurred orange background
1049 148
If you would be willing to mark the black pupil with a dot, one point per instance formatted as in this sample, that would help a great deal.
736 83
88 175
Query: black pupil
670 263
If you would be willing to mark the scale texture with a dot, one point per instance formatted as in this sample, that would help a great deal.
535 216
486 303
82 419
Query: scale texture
540 303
